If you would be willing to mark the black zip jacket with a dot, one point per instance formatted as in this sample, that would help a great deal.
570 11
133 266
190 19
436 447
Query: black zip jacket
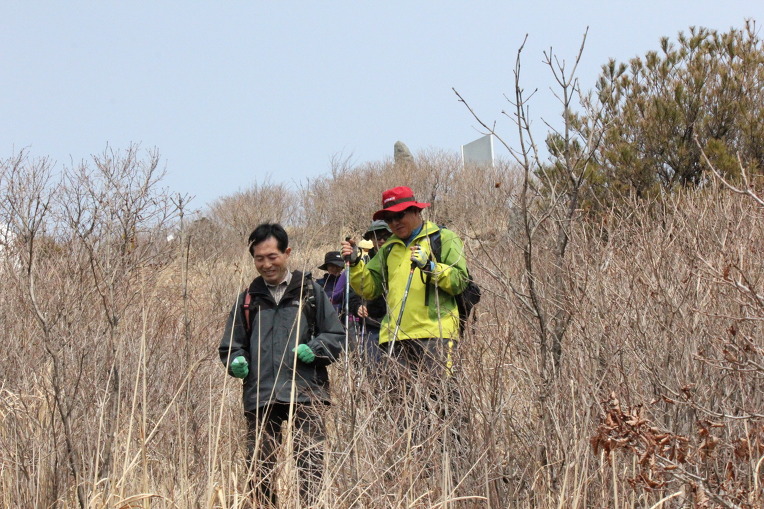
268 349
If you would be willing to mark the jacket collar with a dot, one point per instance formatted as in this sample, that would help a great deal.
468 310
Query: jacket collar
427 228
258 286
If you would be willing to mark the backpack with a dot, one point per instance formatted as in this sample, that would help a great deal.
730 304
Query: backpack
469 297
249 308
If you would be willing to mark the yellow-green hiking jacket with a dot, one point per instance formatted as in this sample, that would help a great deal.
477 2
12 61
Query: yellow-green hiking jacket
388 273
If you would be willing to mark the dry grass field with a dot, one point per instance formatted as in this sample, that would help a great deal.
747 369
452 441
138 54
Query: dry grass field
627 373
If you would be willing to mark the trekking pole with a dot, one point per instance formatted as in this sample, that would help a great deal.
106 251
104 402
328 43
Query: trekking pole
363 323
403 305
347 299
364 303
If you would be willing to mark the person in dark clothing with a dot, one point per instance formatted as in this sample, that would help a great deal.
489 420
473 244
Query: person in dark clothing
281 347
331 283
372 312
334 284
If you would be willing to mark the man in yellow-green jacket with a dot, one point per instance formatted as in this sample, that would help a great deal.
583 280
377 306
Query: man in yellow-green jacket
422 321
419 269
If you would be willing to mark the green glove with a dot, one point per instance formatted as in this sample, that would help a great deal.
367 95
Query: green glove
419 256
240 367
304 353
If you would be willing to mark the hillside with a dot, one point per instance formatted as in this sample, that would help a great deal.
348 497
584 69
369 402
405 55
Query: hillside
616 358
112 390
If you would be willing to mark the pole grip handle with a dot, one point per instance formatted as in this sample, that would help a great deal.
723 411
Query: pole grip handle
413 263
347 257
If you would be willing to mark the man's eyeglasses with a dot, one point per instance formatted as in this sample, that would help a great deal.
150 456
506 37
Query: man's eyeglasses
380 236
397 216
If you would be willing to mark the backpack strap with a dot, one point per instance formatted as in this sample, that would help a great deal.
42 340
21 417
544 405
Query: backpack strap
248 310
435 244
245 311
309 303
435 248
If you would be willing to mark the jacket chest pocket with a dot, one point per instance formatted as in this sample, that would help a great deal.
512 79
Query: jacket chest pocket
287 317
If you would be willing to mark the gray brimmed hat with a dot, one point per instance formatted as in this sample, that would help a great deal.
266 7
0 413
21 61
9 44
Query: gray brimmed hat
332 258
376 226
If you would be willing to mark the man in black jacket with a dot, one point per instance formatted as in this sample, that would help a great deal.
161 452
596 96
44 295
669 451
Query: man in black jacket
280 336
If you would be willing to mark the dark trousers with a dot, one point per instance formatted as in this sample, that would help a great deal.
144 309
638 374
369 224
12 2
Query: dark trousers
264 435
372 353
421 377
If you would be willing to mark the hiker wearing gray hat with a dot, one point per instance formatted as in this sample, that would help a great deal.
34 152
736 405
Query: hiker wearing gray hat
378 232
372 312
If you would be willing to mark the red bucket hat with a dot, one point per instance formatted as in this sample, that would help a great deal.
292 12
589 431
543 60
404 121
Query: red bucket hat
397 199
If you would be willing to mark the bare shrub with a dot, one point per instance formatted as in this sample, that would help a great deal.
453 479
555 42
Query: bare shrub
111 393
344 201
233 217
660 370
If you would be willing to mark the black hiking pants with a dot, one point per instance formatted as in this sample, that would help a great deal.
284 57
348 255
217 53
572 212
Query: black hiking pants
264 435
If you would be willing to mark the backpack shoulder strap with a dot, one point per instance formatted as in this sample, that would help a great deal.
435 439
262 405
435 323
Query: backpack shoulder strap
309 303
435 248
386 251
248 311
436 244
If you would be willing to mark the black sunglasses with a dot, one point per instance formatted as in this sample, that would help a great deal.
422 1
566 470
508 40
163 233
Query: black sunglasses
378 235
389 218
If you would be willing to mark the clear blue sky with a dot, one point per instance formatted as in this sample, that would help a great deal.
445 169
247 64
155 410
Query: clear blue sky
234 92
